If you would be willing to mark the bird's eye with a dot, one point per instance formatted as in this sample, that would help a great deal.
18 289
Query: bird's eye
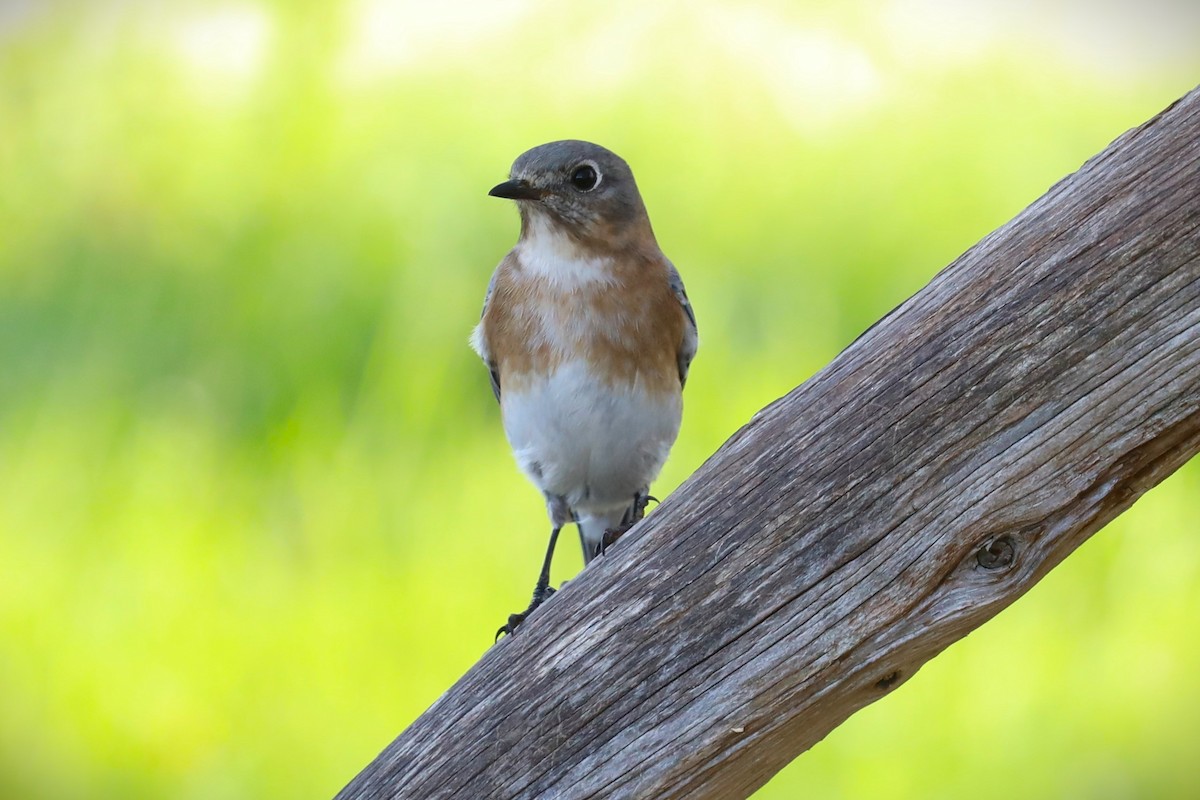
585 178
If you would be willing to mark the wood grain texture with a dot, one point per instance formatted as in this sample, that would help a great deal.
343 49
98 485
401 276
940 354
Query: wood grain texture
933 472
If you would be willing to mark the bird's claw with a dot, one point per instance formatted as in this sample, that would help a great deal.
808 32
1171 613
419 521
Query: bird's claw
510 627
611 535
514 620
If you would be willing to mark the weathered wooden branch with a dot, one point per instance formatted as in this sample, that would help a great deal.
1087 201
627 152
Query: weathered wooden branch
937 469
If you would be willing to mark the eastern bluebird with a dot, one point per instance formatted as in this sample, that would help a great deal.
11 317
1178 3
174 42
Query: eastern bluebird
588 333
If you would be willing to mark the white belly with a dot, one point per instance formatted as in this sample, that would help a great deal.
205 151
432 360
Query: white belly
585 441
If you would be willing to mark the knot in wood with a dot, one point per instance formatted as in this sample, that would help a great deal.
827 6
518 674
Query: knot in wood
888 681
997 553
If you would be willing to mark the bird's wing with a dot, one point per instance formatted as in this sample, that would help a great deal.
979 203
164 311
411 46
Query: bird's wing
479 343
687 347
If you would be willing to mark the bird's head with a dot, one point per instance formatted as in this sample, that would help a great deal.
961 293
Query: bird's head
580 189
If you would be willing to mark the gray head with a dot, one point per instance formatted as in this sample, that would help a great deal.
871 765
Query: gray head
584 189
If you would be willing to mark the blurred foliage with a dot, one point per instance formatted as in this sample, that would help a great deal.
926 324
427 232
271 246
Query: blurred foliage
256 509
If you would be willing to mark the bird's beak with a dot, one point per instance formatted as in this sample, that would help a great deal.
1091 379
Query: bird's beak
516 190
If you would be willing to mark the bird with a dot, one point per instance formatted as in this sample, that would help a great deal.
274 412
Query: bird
588 335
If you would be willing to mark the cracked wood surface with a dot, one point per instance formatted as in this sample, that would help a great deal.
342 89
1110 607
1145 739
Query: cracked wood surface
934 471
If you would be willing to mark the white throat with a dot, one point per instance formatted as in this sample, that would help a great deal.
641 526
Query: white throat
550 254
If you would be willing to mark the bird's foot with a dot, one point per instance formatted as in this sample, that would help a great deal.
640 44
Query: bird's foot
540 595
641 511
611 536
638 512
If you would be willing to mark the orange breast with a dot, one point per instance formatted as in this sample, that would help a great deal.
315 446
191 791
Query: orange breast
629 331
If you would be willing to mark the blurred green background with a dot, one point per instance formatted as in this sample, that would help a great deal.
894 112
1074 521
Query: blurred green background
256 507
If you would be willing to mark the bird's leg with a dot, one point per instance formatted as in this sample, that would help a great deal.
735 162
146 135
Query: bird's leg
634 515
541 592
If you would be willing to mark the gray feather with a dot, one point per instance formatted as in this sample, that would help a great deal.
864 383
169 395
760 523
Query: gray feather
691 339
